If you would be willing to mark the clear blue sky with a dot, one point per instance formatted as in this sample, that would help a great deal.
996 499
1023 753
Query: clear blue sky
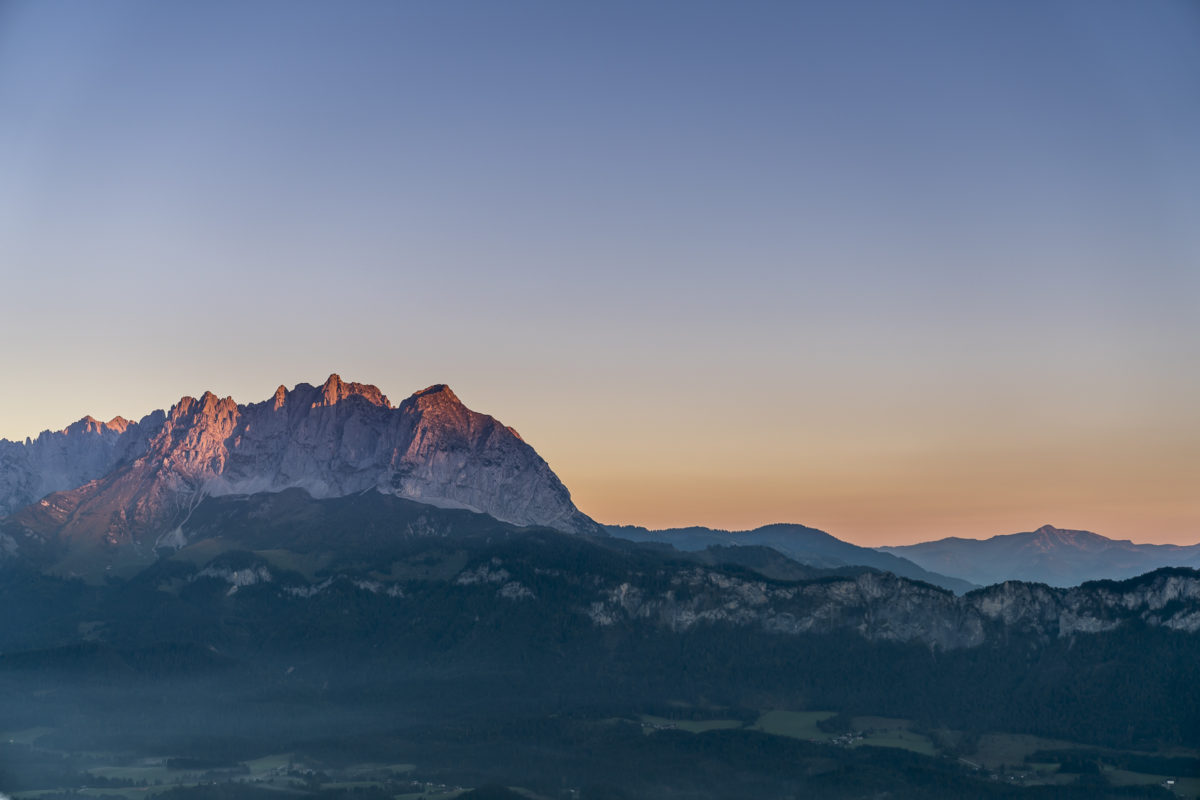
893 269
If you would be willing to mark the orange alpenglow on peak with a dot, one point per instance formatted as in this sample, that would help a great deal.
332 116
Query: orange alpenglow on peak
335 390
209 399
90 424
433 450
207 403
439 392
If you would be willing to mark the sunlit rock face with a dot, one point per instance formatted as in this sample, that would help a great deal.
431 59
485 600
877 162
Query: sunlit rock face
331 440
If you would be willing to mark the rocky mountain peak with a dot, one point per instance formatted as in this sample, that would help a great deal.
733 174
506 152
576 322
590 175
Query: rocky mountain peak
335 390
207 406
91 425
338 439
438 394
67 458
1051 555
1066 537
438 406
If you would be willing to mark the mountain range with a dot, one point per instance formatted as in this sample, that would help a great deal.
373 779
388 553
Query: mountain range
806 545
1048 555
126 489
325 578
121 492
373 628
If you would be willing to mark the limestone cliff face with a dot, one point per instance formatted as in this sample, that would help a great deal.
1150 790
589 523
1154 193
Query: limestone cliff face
883 607
1168 597
59 460
876 605
333 440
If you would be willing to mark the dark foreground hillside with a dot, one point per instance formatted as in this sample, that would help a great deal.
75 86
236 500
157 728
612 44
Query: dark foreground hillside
409 651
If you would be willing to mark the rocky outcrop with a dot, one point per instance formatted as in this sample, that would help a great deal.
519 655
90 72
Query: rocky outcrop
1167 597
59 460
883 607
333 440
876 605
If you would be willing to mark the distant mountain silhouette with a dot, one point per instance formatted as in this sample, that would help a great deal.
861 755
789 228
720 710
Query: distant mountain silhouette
806 545
1048 555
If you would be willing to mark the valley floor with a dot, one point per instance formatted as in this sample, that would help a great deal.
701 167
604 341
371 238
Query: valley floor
677 751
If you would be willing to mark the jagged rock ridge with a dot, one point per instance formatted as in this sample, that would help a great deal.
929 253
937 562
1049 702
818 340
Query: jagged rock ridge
333 440
884 607
60 460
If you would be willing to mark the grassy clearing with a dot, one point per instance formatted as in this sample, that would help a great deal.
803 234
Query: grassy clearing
796 724
1184 787
306 565
1012 748
880 723
86 563
892 732
1122 777
425 569
1187 787
691 725
202 552
1043 767
261 769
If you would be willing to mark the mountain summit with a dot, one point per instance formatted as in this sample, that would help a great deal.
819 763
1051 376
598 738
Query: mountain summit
1055 556
136 483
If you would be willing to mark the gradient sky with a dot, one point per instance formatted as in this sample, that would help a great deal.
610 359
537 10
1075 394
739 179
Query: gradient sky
895 270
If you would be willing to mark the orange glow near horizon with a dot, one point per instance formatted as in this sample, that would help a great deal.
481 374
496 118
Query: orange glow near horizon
874 519
981 490
739 457
719 264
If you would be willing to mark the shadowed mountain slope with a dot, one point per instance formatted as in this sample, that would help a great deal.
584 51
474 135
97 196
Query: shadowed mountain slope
806 545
